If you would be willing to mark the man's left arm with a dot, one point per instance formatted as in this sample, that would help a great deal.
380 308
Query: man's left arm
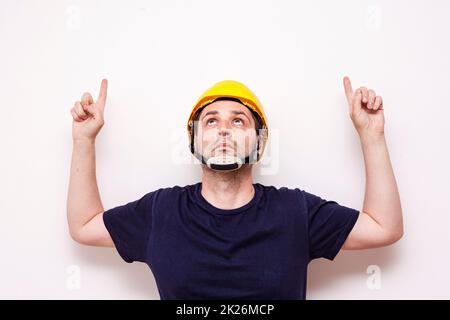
380 223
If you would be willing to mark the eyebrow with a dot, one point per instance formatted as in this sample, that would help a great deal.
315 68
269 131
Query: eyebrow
216 112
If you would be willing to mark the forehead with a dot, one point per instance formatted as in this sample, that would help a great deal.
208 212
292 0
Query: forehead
224 107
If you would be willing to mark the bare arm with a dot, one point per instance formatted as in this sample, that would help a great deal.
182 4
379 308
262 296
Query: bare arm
84 206
381 221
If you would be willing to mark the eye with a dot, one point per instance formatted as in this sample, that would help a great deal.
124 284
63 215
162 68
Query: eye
209 120
239 119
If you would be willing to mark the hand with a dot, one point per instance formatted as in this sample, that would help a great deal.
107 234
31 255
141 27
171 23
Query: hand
365 109
88 115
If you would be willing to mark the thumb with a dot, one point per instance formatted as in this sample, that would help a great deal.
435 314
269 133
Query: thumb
93 110
86 99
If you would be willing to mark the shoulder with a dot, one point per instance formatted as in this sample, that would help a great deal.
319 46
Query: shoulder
282 190
171 193
173 189
304 196
283 193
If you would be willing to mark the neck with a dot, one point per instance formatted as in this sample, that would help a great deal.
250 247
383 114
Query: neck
228 189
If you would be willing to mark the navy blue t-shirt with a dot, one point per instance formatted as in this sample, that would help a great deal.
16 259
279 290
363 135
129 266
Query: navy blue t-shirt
258 251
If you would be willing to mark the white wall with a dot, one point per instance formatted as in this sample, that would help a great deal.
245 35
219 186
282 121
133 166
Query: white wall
159 56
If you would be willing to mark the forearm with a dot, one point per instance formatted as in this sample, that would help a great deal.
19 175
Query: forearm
83 200
381 200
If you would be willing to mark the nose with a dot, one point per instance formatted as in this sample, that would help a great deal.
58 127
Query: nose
224 130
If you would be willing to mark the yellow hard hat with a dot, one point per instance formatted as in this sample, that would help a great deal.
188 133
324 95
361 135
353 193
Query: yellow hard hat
230 89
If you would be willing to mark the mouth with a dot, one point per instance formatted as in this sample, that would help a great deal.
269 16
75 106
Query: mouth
223 149
224 146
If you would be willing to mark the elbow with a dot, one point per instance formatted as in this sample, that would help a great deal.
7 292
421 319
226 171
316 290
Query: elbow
395 236
76 235
398 236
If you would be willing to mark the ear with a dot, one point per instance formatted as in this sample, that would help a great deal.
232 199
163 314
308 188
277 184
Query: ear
259 145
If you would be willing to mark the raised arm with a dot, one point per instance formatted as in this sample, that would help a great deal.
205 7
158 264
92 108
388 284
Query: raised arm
380 222
84 206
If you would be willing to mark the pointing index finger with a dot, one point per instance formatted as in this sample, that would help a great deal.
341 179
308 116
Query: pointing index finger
103 92
348 89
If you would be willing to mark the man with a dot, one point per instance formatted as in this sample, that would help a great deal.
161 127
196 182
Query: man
227 237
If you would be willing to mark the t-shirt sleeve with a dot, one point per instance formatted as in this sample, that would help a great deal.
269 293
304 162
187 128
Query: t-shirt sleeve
329 225
130 225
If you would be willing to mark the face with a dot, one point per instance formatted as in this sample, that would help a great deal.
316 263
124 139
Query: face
225 128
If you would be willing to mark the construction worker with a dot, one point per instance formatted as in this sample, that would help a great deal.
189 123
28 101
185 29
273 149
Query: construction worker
228 237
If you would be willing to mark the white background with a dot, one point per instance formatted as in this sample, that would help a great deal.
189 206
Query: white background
159 56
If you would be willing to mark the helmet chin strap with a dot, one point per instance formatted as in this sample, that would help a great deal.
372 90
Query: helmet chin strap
227 162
